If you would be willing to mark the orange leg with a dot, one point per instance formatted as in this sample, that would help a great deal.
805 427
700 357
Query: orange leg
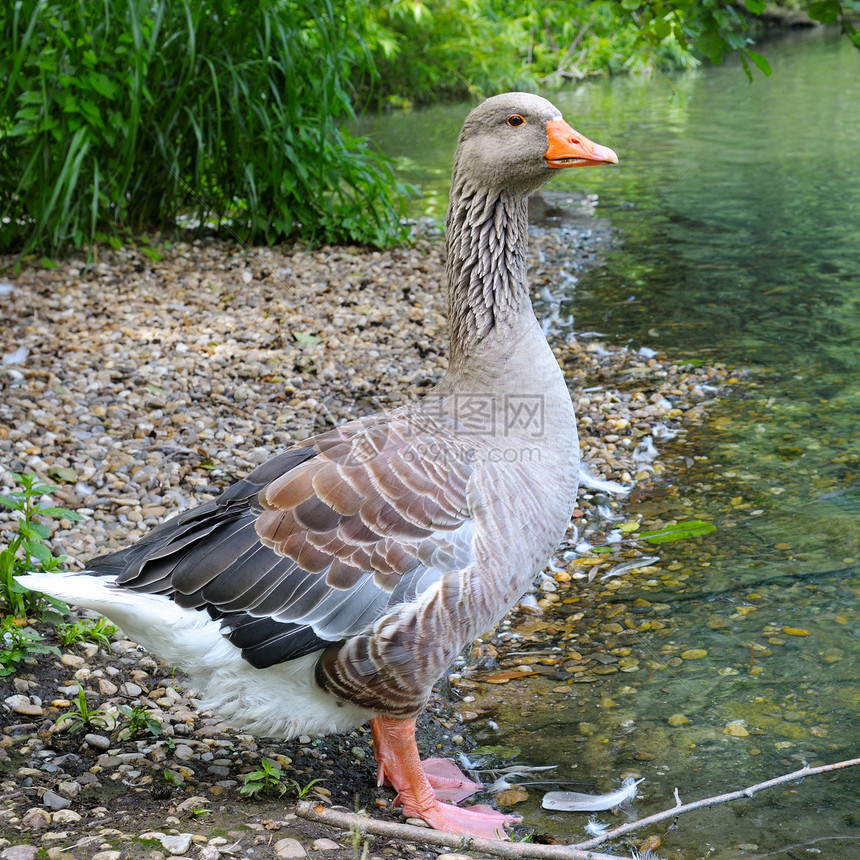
399 765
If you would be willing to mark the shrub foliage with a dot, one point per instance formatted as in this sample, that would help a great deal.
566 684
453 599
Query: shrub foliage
126 117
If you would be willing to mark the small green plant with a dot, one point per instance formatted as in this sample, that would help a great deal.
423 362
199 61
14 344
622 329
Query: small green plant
269 779
302 790
27 552
85 718
16 644
87 630
140 722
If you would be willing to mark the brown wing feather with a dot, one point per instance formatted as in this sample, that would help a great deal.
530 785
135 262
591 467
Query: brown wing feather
366 500
316 544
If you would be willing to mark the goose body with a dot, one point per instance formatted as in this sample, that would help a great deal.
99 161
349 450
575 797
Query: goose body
337 581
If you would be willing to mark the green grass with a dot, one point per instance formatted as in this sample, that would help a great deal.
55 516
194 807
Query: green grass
27 550
123 118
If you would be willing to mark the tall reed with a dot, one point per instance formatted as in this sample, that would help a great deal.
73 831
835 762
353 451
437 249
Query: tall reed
141 115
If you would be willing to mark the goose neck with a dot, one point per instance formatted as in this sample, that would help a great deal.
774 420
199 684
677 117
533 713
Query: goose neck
488 297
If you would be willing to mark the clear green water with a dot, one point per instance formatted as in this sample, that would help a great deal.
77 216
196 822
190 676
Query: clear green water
738 209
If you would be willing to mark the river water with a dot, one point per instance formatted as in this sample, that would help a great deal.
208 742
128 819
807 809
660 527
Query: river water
737 211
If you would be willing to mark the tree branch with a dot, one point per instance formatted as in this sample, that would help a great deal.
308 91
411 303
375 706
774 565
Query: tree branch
517 850
425 836
680 808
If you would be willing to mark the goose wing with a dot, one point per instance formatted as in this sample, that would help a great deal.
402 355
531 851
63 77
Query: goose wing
317 543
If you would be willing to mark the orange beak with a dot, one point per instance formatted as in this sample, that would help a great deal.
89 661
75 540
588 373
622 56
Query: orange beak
568 148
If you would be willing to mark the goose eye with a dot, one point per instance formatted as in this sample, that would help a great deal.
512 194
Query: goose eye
515 120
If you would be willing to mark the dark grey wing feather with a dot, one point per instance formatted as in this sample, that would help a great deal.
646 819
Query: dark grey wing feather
311 547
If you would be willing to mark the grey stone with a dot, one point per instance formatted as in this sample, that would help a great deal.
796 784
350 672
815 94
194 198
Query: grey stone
36 818
107 688
65 816
19 852
69 788
54 801
131 690
183 752
97 742
176 845
289 848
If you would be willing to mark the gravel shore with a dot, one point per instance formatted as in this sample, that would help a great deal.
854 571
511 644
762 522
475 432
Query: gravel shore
145 383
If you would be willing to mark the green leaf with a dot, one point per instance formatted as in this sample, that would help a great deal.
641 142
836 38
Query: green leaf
59 513
301 337
9 502
48 263
826 11
679 531
662 28
755 6
63 474
37 550
712 45
102 84
761 62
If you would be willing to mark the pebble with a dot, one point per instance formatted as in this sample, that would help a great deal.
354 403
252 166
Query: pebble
176 845
19 852
107 688
735 729
24 706
54 801
183 752
65 816
130 690
324 844
98 742
36 819
289 848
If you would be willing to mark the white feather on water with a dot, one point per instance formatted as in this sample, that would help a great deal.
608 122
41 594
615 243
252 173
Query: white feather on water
595 827
586 479
575 801
642 561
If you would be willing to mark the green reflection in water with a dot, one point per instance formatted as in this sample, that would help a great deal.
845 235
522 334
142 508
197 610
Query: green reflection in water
738 214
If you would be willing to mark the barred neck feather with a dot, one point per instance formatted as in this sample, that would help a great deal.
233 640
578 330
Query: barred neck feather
487 286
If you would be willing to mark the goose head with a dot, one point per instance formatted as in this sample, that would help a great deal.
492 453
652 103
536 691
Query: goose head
513 143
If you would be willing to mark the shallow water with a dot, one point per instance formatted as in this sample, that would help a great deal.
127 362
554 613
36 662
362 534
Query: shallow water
738 213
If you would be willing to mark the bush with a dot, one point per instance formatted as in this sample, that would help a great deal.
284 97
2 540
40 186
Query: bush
424 51
120 118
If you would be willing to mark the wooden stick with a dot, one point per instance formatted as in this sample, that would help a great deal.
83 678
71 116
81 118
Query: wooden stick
459 842
579 851
680 808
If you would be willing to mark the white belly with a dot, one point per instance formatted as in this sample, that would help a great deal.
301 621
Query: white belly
282 701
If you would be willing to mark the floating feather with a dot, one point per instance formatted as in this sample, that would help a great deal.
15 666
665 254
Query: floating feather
601 484
595 827
575 801
643 561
